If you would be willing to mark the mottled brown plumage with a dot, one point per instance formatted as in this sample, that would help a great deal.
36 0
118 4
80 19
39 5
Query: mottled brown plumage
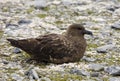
55 48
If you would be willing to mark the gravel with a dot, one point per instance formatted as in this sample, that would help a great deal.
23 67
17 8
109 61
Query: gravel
30 18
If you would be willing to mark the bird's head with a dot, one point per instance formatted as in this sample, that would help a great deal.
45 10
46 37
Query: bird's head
77 30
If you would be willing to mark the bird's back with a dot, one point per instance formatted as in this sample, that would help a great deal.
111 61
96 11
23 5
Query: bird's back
50 48
53 48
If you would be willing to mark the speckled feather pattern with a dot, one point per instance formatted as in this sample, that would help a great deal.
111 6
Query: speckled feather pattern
53 48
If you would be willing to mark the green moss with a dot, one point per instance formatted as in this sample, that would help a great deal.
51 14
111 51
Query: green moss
103 58
17 11
104 13
43 80
26 55
90 12
92 46
9 70
58 22
95 21
1 33
5 9
65 77
113 61
95 28
46 8
41 15
76 13
106 79
30 10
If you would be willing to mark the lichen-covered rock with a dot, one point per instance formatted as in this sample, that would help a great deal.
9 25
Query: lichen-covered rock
113 70
105 48
96 67
116 25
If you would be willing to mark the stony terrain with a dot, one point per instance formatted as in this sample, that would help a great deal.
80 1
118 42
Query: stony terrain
28 18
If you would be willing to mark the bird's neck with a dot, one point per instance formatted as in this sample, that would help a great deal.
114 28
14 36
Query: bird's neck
76 40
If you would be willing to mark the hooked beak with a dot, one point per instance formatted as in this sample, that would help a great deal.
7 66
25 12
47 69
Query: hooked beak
88 32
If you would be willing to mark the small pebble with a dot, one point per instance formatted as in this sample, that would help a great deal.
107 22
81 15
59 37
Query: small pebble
89 59
34 74
40 4
113 70
116 25
12 26
94 74
79 72
96 67
24 22
5 62
16 50
114 79
105 48
45 79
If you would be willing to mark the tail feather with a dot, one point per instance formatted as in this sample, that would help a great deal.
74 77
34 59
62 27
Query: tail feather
24 44
13 42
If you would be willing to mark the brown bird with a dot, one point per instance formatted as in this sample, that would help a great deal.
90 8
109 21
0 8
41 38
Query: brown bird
56 48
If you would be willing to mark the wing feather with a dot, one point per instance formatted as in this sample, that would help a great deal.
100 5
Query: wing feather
52 45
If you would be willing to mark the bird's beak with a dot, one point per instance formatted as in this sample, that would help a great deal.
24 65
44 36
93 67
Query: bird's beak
88 32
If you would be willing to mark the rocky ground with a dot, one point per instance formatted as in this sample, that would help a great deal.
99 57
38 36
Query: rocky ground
29 18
